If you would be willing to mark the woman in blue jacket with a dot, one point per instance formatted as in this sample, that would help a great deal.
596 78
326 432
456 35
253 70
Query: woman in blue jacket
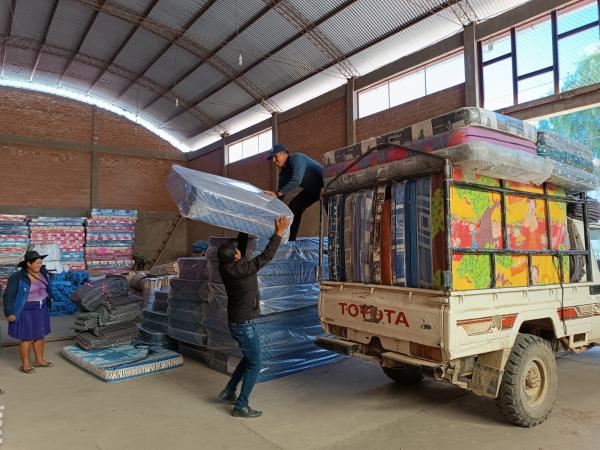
26 305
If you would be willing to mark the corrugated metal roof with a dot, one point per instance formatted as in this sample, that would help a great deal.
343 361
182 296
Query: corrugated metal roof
99 43
130 59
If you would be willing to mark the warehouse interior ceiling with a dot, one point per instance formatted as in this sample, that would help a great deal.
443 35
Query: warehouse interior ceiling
191 70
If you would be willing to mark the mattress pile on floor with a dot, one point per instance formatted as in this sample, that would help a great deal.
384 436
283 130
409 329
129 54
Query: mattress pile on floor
225 202
107 314
288 323
154 327
394 234
123 362
62 286
110 240
14 239
67 232
473 139
187 303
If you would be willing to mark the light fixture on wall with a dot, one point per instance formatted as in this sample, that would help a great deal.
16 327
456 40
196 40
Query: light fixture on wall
240 60
177 102
237 30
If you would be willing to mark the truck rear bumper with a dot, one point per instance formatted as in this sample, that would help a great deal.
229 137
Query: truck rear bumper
387 359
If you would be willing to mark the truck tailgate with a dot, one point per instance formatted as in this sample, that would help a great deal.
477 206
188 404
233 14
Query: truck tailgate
413 315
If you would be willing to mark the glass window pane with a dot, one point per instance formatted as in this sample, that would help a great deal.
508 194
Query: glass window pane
495 47
407 88
574 18
536 87
373 100
579 60
250 146
444 74
265 141
534 47
497 84
235 152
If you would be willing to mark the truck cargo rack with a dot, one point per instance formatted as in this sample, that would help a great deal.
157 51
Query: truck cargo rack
445 169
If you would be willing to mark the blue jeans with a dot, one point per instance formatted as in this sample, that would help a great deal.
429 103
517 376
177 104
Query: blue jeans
249 367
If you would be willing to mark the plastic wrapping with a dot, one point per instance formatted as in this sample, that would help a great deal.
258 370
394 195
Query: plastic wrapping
571 178
273 299
225 202
480 157
194 315
189 290
187 336
150 336
160 301
193 268
186 305
420 135
301 250
274 274
553 145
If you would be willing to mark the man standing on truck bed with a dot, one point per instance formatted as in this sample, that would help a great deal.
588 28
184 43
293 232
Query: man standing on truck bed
297 170
243 307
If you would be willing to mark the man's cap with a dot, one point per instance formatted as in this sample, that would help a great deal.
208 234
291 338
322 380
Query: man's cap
277 148
226 251
30 256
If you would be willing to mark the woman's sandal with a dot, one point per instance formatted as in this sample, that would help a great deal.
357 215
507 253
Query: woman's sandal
27 371
46 364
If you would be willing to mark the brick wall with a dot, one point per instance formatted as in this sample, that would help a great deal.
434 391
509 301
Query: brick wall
410 113
45 159
316 131
44 177
211 162
255 170
134 183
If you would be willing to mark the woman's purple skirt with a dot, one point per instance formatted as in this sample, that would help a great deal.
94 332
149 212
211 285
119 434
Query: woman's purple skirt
34 323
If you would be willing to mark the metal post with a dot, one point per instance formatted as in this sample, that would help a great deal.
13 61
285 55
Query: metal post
447 280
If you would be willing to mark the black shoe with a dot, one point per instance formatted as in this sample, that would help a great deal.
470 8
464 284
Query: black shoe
246 412
227 396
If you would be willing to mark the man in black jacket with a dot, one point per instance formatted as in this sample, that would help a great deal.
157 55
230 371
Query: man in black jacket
243 307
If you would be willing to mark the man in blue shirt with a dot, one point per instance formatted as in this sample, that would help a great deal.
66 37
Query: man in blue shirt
297 170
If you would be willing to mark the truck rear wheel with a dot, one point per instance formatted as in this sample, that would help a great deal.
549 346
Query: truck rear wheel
528 388
405 374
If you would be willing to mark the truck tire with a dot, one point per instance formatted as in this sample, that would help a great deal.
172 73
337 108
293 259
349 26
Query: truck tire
528 388
404 375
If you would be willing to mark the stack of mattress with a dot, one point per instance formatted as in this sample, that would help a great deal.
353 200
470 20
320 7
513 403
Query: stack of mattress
110 240
473 139
67 232
288 322
186 307
225 203
107 314
62 286
394 234
154 329
14 239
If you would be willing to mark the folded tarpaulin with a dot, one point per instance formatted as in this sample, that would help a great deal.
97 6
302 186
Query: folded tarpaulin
225 202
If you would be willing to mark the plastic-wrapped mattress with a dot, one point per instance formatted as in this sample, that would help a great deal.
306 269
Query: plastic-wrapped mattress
554 146
454 120
225 202
479 157
466 135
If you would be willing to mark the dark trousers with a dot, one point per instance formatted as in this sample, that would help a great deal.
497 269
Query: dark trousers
298 205
249 367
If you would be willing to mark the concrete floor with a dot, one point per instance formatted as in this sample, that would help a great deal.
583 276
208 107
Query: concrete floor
348 405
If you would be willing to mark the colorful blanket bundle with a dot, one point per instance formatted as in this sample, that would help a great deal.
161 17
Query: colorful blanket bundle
110 240
14 239
67 232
